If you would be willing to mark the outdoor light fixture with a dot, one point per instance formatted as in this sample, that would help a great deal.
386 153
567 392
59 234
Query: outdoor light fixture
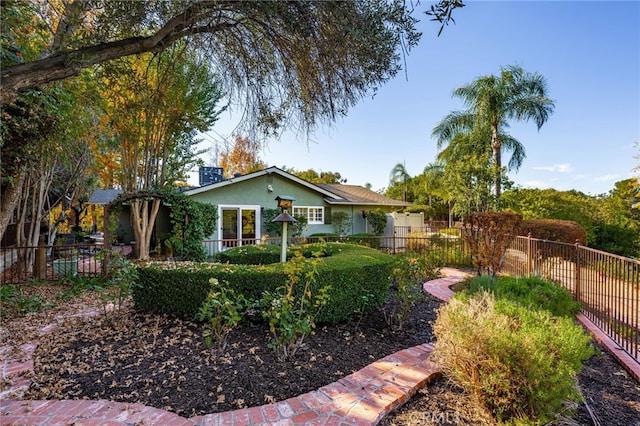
284 203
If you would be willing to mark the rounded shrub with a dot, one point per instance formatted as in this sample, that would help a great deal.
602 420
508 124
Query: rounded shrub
517 363
532 292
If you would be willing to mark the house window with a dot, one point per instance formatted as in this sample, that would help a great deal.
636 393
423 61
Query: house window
314 215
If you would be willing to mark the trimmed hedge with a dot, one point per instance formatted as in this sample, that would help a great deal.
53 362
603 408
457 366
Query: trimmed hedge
266 254
359 277
364 239
260 254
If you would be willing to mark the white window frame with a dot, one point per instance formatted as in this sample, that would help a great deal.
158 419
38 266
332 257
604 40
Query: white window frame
311 214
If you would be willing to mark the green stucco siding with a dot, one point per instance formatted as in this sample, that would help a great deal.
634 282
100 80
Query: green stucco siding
262 191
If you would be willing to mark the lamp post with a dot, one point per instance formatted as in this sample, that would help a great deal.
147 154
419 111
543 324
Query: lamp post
284 203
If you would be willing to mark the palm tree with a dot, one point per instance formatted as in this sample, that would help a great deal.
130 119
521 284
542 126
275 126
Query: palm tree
493 101
399 174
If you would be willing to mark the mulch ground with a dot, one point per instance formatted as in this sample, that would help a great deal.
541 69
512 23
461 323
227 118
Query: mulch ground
164 362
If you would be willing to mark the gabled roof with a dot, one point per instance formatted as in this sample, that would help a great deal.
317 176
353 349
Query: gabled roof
333 193
356 194
267 171
104 196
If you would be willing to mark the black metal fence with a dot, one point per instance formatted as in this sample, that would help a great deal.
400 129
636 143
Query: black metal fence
22 264
606 285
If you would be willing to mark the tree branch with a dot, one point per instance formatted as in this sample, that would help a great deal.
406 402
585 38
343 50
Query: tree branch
68 64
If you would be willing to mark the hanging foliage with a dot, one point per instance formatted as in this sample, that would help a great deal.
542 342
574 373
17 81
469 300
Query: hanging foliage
192 222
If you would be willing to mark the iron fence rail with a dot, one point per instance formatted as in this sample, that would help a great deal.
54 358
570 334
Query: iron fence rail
607 286
48 263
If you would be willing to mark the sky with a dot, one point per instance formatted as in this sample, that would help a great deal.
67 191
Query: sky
588 51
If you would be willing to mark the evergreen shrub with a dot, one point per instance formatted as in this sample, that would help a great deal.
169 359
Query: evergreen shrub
255 254
518 363
529 292
264 254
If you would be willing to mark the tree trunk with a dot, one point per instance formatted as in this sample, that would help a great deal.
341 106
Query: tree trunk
9 200
496 146
144 219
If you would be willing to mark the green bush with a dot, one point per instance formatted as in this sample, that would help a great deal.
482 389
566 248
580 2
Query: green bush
517 363
258 254
352 272
364 239
180 288
265 254
378 220
531 292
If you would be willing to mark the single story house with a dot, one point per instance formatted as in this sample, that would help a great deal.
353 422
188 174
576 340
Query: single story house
242 200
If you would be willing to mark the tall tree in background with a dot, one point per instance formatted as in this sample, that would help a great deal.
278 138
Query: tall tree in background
468 179
45 154
493 101
313 176
399 175
156 104
243 158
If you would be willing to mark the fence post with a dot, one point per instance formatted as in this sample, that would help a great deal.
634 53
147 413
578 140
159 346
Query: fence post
41 260
106 243
529 257
577 271
394 240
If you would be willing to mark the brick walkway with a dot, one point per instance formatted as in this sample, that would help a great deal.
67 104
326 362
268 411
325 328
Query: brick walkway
362 398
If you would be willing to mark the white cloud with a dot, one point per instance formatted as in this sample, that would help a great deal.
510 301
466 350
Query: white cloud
559 168
536 184
606 178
